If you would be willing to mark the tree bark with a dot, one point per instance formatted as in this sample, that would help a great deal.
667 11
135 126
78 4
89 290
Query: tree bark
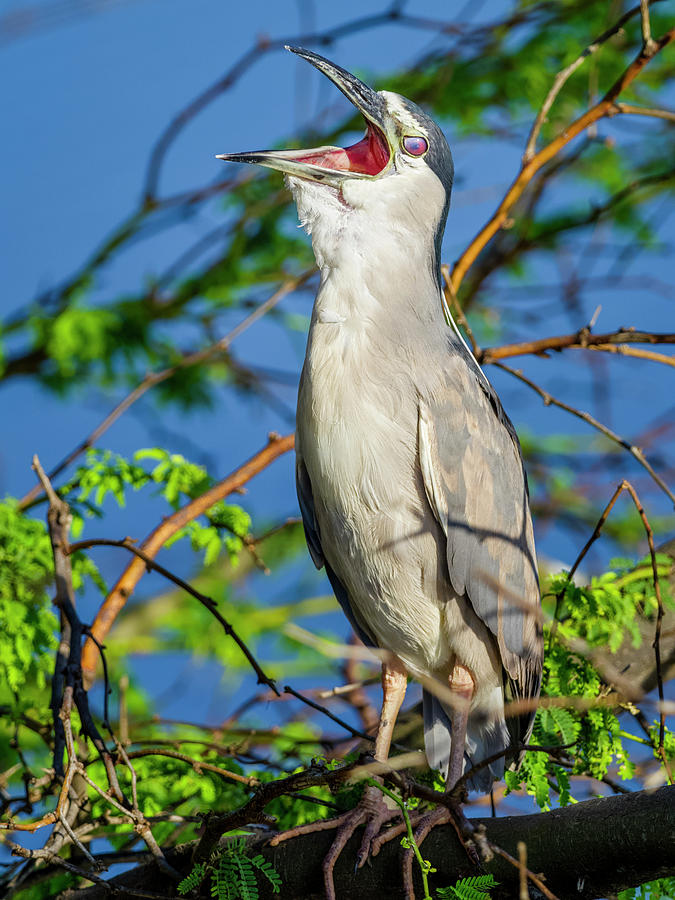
586 851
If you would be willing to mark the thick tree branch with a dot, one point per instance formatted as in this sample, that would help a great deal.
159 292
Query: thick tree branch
587 850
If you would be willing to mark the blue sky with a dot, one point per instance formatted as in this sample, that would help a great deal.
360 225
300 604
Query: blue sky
82 106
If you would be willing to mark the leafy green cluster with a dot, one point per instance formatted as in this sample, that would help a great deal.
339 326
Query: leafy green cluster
234 874
27 637
28 625
661 889
177 480
476 887
603 614
192 881
165 783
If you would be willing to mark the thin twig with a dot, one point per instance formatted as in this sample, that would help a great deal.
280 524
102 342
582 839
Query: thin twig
648 43
535 879
524 894
459 312
322 709
197 764
529 169
123 711
637 353
207 602
626 485
550 400
564 75
630 109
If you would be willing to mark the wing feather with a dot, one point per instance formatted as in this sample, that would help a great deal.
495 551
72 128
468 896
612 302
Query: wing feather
313 536
476 486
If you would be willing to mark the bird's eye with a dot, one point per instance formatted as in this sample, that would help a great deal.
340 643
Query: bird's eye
415 146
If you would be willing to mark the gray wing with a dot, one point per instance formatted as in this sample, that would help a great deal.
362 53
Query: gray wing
477 488
313 537
306 501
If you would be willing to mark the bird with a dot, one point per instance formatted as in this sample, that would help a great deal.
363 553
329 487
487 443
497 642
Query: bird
410 476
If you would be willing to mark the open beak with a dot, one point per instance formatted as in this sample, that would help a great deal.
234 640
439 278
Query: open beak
365 159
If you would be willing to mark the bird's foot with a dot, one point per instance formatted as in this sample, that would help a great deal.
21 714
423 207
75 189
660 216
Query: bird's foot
442 815
371 811
422 824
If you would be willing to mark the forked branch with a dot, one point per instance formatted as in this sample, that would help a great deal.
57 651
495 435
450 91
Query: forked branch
600 110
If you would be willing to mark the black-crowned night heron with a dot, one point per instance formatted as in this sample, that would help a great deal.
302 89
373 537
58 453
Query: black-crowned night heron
409 472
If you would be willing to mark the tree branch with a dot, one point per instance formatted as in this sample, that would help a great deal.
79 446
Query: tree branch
580 340
151 546
564 74
594 114
550 400
587 850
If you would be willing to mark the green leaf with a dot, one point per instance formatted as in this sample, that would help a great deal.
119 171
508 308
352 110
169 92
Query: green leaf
476 887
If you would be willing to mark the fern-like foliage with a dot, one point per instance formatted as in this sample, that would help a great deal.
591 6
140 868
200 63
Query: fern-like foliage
268 871
234 874
234 878
477 887
193 880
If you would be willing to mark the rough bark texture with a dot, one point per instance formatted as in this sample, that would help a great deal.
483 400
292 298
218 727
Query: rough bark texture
586 851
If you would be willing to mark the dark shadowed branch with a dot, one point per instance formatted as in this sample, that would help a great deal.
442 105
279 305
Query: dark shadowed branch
587 850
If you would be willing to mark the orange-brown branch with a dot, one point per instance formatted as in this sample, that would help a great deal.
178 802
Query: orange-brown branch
133 573
580 339
605 107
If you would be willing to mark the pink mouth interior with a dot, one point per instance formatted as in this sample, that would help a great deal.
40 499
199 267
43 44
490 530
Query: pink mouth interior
367 157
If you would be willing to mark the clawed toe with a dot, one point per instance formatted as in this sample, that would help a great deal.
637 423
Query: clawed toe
309 828
375 821
424 824
371 811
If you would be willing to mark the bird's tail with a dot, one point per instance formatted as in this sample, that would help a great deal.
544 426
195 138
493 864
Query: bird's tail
484 737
